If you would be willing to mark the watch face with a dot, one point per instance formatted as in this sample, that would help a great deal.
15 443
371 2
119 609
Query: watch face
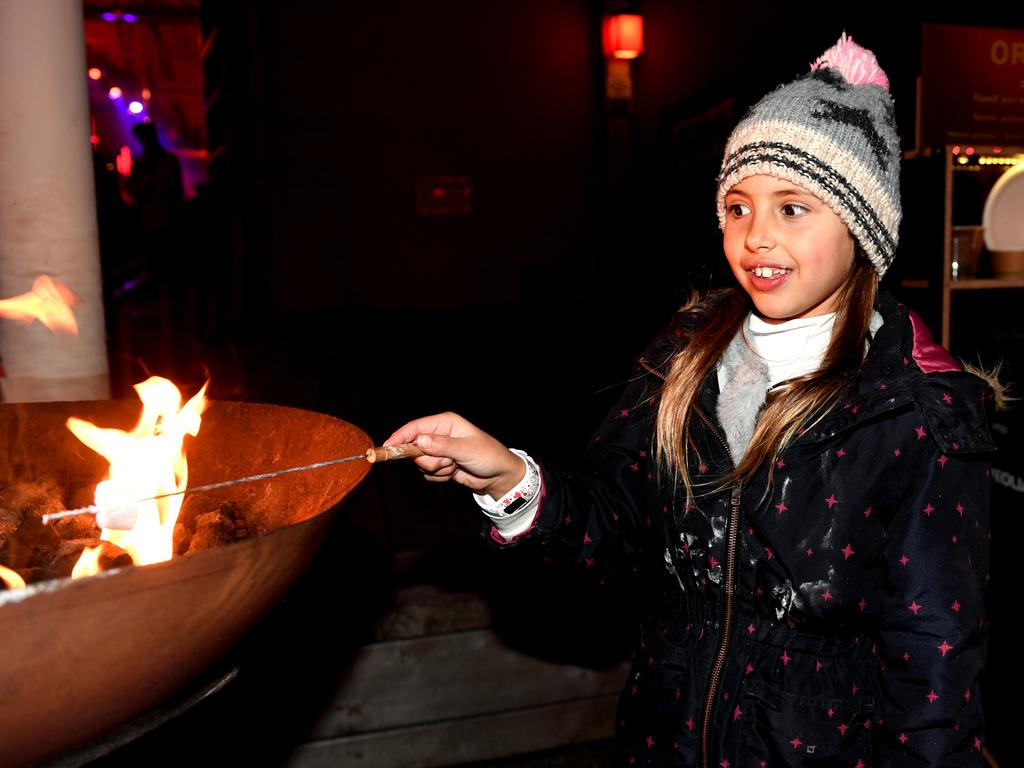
514 505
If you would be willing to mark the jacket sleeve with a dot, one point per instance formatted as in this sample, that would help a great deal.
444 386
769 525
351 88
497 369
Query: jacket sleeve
602 514
933 632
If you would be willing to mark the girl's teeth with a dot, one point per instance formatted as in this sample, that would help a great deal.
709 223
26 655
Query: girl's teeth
769 271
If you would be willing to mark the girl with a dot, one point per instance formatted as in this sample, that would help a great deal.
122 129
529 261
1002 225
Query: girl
805 465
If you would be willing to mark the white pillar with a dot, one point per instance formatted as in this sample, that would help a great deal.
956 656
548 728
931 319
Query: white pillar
48 200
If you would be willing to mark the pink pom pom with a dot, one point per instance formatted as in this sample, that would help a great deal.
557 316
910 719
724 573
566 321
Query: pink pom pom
858 65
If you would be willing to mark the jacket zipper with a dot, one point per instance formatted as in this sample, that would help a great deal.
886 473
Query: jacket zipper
732 544
727 617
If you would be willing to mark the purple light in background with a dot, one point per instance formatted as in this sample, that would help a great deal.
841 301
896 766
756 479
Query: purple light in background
108 16
130 285
135 107
129 17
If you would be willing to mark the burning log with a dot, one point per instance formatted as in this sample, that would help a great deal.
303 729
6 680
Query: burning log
204 522
37 498
24 541
9 521
82 527
213 529
112 556
38 552
68 553
77 528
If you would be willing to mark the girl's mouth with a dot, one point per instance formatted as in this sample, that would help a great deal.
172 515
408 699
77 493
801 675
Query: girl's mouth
764 278
768 272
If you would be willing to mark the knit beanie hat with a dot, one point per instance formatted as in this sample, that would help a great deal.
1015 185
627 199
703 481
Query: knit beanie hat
833 132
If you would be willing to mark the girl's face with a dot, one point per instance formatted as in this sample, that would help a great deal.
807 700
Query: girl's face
787 248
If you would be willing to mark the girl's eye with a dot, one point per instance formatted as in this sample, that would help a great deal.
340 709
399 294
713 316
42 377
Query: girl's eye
738 209
794 209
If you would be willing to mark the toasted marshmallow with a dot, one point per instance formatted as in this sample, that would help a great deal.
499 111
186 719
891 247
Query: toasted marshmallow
118 506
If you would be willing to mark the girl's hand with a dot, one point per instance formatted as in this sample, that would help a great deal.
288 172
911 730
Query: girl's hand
456 450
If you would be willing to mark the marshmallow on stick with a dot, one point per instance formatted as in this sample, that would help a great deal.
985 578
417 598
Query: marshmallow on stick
117 506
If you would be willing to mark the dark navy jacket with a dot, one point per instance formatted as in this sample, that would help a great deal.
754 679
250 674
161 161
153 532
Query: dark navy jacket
838 622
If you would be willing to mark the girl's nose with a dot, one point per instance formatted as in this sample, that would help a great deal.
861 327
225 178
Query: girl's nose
760 238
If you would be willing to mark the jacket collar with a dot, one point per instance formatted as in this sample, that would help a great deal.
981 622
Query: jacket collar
904 366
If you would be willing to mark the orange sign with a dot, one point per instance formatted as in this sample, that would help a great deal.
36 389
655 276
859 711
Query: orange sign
972 85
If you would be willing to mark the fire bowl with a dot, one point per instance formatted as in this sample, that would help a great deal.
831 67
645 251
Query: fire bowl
86 655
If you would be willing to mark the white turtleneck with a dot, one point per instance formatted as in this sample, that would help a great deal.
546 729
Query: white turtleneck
761 356
789 349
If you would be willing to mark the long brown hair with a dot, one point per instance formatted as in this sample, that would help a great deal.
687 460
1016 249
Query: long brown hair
805 398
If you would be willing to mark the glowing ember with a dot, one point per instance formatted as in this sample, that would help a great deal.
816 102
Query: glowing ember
49 302
88 563
11 579
148 461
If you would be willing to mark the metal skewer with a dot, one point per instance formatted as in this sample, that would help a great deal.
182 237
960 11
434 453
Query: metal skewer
372 455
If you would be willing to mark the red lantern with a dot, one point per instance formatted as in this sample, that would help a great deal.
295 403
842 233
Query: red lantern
623 35
124 161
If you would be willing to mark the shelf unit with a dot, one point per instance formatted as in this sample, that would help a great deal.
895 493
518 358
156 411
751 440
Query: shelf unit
988 162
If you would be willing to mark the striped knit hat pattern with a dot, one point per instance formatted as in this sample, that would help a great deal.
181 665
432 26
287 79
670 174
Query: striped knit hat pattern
833 132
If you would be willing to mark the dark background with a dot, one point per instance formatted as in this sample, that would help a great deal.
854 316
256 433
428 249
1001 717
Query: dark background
315 282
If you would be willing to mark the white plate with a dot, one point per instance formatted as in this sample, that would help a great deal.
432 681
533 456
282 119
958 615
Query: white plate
1003 218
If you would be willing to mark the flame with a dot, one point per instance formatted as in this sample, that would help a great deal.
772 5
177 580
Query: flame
11 579
49 302
88 563
148 461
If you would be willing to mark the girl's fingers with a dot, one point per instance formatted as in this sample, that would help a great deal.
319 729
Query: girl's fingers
441 424
472 482
456 450
453 472
440 445
433 464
